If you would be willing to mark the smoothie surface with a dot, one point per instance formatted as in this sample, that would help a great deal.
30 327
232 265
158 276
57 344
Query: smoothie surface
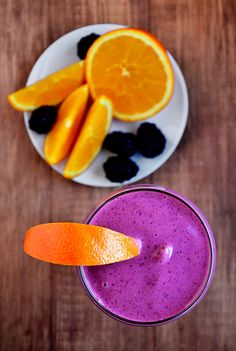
172 267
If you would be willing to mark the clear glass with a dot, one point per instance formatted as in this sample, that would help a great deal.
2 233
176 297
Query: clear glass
209 234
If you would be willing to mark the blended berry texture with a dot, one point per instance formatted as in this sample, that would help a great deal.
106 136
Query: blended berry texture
173 264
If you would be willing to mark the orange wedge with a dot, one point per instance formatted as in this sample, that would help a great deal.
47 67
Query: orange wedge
90 139
78 244
132 68
50 90
70 116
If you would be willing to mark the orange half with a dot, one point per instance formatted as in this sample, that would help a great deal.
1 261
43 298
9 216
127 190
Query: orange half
78 244
132 68
49 91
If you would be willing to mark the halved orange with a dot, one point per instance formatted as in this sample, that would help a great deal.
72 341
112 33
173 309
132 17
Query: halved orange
63 134
91 137
78 244
49 91
132 68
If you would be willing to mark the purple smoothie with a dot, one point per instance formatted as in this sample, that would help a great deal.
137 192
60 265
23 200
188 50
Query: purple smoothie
172 268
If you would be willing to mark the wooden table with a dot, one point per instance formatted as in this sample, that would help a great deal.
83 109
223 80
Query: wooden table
43 307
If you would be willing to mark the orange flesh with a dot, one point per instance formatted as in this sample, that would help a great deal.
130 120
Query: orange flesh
50 90
90 139
63 134
133 70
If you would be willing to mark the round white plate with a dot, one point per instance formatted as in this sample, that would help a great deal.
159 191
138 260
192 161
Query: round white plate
171 120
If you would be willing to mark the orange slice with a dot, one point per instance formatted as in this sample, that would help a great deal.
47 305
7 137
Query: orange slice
78 244
90 139
50 90
132 68
70 116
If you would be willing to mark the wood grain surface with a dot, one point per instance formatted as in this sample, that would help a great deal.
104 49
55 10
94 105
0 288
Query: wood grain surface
43 307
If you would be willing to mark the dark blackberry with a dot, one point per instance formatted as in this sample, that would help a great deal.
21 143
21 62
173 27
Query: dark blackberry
42 119
150 140
84 44
118 169
123 144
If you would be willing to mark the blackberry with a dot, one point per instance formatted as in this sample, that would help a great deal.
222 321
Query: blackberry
150 140
42 119
84 44
123 144
119 168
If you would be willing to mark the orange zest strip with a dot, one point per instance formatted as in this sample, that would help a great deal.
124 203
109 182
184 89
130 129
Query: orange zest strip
78 244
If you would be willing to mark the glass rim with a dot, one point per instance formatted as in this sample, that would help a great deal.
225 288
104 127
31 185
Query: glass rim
211 242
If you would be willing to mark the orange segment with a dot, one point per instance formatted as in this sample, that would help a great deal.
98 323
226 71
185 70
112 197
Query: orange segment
70 115
90 139
78 244
50 90
132 68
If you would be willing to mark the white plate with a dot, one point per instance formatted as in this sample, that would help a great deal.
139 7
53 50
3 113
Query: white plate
171 120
